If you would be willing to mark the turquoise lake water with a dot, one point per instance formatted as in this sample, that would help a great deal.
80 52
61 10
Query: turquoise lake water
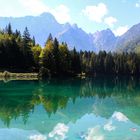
101 108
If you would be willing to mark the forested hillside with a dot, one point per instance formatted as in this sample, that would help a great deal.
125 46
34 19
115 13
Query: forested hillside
20 53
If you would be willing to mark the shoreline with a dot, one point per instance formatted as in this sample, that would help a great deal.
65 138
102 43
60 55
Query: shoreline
9 76
18 76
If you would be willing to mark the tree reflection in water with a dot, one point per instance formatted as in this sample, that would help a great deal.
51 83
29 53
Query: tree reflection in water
19 98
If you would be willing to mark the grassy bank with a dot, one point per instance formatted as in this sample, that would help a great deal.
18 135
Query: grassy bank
18 76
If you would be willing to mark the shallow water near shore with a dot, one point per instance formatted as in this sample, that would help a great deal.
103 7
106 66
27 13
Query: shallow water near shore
100 108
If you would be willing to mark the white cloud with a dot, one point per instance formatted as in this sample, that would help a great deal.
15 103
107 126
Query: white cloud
36 7
59 132
121 30
94 134
96 13
110 21
137 5
37 137
120 117
61 14
109 126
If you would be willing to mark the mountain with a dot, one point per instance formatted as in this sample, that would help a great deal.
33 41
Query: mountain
104 40
75 36
41 26
130 41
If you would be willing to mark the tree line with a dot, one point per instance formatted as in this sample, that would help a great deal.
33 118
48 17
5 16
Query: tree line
20 53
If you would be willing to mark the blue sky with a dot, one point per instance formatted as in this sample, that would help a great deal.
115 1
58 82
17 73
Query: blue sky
90 15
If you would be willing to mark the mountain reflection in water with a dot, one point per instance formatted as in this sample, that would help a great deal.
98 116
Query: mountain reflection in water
80 107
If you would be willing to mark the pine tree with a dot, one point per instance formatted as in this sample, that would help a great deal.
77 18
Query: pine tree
26 49
50 38
33 41
75 62
26 37
9 29
56 56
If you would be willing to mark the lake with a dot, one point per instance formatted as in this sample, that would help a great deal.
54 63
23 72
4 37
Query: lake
100 108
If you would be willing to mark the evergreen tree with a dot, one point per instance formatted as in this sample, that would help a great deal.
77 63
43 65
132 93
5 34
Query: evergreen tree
50 38
75 62
65 60
33 41
20 52
109 64
47 59
36 50
56 56
9 29
26 49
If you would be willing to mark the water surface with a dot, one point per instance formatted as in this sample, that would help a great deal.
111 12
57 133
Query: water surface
101 108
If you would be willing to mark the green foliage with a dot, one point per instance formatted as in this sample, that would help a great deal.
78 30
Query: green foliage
75 62
9 29
15 50
65 59
36 50
20 53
